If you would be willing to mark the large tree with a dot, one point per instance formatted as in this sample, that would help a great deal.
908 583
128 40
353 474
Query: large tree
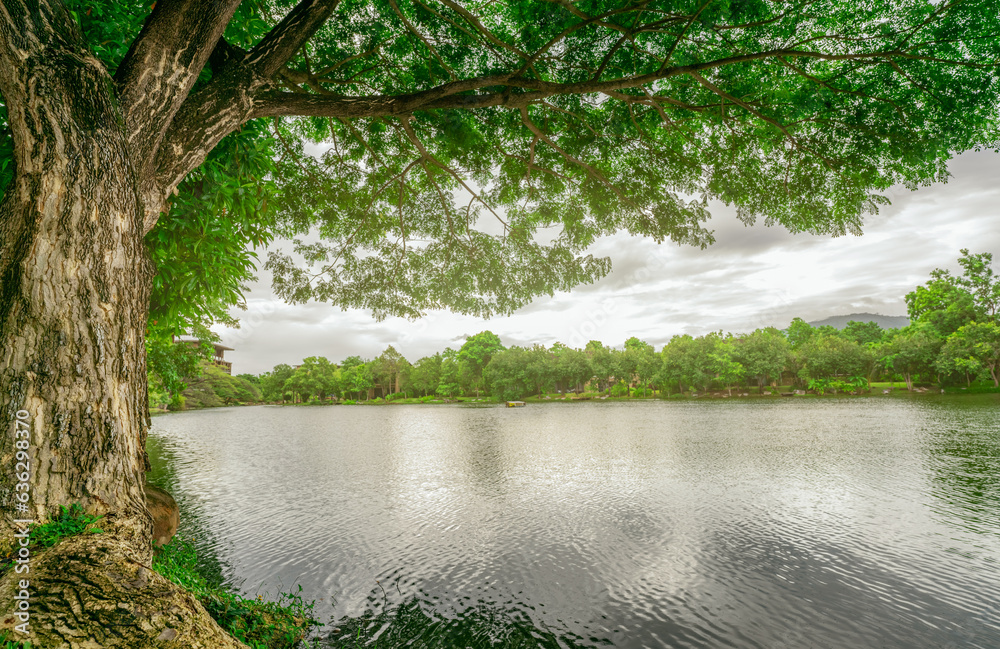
591 116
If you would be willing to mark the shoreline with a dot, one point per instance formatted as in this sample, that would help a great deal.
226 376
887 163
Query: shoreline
706 396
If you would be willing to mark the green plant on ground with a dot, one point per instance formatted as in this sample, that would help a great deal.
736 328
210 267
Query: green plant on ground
257 622
69 522
7 643
820 385
619 390
852 384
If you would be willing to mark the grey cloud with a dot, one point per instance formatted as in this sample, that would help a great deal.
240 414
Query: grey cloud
546 304
752 277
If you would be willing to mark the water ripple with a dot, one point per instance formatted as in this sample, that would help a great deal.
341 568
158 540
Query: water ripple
779 525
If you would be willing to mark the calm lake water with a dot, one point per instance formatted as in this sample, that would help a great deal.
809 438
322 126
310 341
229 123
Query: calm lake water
785 523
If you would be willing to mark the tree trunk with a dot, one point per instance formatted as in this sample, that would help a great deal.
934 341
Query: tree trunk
75 280
74 289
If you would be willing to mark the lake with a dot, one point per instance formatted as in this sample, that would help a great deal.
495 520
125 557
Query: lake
773 523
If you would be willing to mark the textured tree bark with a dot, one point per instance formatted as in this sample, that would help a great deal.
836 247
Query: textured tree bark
86 595
74 288
75 282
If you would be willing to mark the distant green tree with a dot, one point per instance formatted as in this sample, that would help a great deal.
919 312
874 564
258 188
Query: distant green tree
687 362
643 361
357 379
601 362
213 387
572 366
726 368
475 353
505 374
425 376
763 355
863 332
351 361
388 370
979 280
450 374
625 366
671 369
799 332
955 359
974 347
948 302
941 303
298 385
272 383
315 377
540 371
831 355
871 358
912 351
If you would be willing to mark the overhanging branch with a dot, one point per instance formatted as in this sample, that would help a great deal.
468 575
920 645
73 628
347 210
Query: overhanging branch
518 91
163 64
288 36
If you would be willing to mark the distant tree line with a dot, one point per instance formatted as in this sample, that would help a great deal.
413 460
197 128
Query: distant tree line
953 339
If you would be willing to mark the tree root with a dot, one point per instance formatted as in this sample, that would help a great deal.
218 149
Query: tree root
89 592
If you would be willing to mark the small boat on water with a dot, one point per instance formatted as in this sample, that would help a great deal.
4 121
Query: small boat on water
515 404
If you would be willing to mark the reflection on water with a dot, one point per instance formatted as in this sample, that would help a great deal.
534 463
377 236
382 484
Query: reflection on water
787 523
412 624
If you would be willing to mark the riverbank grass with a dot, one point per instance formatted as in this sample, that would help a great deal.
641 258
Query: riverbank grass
6 642
69 522
257 622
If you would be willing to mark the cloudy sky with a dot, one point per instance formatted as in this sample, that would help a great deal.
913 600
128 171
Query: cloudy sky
751 277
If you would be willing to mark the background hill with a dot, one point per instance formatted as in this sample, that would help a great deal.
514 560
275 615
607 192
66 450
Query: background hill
884 321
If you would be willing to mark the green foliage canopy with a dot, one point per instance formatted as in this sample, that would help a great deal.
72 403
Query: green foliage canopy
580 119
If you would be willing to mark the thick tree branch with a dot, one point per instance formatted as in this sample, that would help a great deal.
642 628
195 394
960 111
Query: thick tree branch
30 32
220 107
272 103
162 66
288 36
209 115
276 104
